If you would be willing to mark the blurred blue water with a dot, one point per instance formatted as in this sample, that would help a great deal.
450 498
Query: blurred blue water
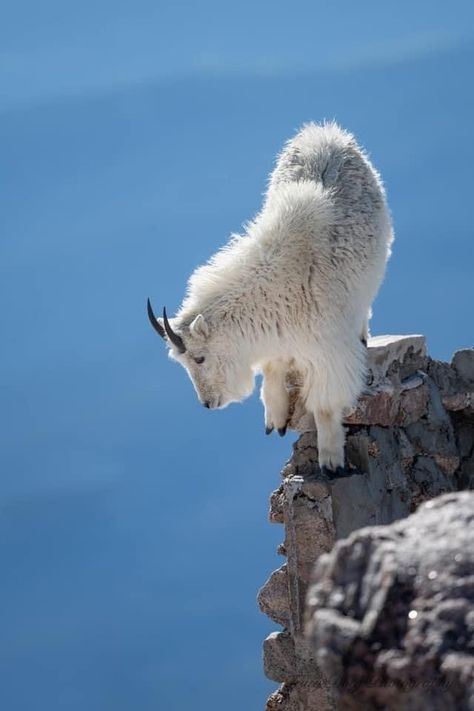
133 527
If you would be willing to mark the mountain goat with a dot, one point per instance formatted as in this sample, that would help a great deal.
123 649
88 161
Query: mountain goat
295 290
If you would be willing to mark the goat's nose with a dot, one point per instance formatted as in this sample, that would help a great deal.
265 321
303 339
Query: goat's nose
207 403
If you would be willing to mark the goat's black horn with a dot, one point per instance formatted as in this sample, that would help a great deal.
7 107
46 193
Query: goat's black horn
154 321
174 338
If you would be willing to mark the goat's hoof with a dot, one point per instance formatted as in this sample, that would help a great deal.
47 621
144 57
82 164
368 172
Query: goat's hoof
268 430
339 472
334 473
282 431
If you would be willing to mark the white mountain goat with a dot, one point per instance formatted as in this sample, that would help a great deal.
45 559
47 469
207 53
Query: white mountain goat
294 290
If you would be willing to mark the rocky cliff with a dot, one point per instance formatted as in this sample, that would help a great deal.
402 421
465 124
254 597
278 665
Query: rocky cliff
410 439
390 612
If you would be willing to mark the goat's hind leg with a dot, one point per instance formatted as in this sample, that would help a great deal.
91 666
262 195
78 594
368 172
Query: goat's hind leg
275 396
331 440
365 333
335 388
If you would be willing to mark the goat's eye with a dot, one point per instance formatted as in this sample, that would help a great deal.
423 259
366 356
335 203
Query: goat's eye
199 360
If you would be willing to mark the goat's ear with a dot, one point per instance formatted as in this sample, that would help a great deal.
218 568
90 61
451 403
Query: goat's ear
199 327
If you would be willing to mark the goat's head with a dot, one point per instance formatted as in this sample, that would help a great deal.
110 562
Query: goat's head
219 376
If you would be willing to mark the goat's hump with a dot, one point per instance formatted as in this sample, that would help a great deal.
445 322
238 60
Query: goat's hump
316 153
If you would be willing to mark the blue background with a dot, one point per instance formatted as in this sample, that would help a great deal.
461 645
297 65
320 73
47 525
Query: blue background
136 136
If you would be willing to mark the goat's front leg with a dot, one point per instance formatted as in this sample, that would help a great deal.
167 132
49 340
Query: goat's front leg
274 396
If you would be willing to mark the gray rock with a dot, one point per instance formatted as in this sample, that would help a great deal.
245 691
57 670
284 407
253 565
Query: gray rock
455 381
273 597
463 364
295 697
388 404
395 357
410 439
464 428
279 657
391 611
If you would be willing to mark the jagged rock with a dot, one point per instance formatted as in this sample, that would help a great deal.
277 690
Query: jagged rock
460 401
464 429
396 394
273 597
463 364
294 697
275 514
395 357
391 612
404 447
456 381
279 657
389 405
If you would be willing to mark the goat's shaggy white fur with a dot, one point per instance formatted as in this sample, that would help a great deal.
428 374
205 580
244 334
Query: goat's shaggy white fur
295 289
